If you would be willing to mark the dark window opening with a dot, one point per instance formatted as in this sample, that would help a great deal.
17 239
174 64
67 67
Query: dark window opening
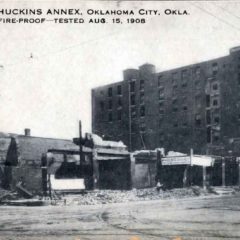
160 81
141 97
217 119
185 124
185 108
215 102
110 92
132 86
133 112
110 117
209 135
215 86
216 137
208 117
197 120
161 93
110 104
214 68
119 89
207 100
142 111
119 115
184 78
132 99
175 109
119 102
141 84
142 127
197 70
102 106
239 79
175 125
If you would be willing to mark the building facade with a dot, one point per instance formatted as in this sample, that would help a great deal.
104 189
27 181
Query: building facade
195 106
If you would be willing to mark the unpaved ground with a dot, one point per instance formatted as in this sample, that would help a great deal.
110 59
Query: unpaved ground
210 218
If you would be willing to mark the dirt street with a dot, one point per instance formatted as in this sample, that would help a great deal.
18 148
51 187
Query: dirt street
210 218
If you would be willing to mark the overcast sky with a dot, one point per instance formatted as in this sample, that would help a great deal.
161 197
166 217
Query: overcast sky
51 91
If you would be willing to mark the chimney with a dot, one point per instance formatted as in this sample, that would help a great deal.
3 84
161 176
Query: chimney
27 132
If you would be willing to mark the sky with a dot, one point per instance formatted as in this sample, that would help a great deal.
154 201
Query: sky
49 69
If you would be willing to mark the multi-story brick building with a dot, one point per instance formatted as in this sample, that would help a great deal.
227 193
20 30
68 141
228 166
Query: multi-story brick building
195 106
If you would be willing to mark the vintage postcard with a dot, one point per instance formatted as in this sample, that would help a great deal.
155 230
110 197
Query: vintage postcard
120 120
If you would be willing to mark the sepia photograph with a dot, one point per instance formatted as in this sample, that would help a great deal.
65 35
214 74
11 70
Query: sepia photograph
119 120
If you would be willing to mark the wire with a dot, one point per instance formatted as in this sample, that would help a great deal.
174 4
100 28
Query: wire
225 10
218 18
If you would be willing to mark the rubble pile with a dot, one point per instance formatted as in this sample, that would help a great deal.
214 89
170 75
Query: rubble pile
7 195
114 196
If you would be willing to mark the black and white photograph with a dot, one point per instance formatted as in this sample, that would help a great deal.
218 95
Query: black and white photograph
119 120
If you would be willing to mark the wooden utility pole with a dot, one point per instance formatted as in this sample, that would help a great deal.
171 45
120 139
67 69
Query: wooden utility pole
223 172
80 148
129 118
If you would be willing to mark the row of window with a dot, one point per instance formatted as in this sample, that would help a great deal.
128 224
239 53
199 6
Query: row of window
131 86
133 113
119 91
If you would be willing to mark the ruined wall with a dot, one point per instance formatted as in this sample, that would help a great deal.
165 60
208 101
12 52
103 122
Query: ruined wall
29 175
144 175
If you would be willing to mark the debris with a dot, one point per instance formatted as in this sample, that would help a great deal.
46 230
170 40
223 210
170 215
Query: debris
23 191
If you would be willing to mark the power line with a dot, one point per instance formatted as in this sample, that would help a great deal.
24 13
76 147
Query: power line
226 10
218 18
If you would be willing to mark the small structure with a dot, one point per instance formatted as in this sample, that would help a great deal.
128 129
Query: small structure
21 159
144 168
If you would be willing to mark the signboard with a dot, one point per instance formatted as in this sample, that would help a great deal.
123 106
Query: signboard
196 160
176 160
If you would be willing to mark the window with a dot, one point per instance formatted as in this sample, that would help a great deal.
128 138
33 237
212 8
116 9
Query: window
102 106
215 102
142 111
175 124
184 78
209 134
197 71
142 127
119 115
119 102
141 97
198 101
119 90
216 136
174 103
208 117
174 90
215 86
141 85
161 137
110 117
132 86
160 81
198 120
239 79
174 79
161 94
185 108
110 92
214 68
133 112
216 119
110 104
132 99
161 107
207 100
185 124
